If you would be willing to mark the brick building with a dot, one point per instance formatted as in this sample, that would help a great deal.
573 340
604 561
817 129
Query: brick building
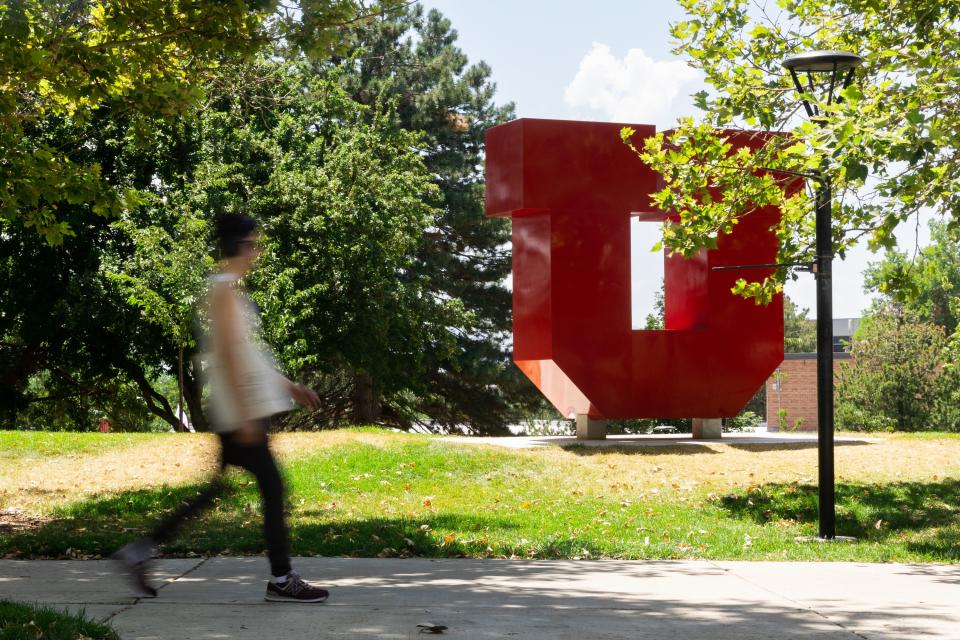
793 387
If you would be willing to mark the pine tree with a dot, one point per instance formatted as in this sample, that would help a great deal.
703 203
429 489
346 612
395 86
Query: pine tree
411 58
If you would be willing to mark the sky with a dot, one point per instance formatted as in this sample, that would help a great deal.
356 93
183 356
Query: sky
611 60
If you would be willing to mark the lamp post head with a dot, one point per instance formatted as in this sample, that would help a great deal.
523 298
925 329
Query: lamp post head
829 65
822 61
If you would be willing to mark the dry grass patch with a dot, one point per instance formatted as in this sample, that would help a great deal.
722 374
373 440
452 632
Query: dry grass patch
31 484
718 468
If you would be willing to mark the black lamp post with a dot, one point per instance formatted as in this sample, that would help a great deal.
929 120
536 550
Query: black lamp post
826 71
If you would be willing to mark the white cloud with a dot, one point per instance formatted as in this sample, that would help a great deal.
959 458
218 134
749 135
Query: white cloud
634 89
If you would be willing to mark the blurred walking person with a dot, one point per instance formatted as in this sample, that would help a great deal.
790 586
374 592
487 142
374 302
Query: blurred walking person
245 390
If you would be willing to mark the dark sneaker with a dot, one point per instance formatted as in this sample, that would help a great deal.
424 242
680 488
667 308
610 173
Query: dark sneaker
295 589
135 558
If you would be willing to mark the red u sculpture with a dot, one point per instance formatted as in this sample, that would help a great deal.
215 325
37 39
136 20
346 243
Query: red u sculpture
571 188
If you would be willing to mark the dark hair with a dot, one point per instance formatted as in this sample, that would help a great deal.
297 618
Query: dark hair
232 229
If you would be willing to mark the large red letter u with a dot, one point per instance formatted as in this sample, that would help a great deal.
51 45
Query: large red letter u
571 188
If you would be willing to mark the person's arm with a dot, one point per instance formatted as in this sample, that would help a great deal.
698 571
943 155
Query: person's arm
303 395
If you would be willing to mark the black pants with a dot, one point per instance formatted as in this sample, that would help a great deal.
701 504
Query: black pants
258 460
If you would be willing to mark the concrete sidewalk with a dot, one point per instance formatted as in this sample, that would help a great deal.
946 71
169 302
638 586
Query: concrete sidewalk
684 600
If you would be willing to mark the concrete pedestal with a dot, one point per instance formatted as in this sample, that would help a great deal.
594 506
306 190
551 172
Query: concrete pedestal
590 428
706 428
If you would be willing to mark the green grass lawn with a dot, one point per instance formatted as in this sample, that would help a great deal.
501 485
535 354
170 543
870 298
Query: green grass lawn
421 496
26 622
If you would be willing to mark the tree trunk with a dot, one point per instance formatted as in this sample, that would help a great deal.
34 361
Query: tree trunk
193 394
366 404
156 403
181 409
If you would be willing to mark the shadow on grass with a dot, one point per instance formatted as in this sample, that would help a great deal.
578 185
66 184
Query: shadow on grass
234 525
790 446
639 449
686 447
870 512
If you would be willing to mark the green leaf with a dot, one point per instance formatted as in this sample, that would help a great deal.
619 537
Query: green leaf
856 170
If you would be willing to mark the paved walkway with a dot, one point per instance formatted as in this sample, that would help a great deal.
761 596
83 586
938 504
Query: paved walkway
557 600
760 438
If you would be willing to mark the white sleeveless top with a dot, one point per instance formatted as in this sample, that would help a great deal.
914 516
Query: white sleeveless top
261 385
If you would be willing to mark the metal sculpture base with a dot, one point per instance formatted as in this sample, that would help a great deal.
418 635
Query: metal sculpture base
590 428
707 428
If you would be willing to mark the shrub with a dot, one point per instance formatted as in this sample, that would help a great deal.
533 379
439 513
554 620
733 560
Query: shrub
892 379
746 421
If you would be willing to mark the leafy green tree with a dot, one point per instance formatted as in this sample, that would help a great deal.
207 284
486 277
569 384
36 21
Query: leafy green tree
342 194
799 332
654 321
892 380
405 314
343 197
410 59
150 58
927 284
888 148
67 338
945 415
72 350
